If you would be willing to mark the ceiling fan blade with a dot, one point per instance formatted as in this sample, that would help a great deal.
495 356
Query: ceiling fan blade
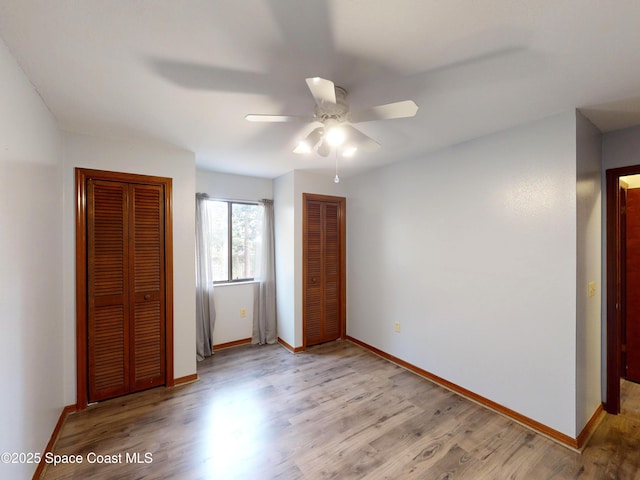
278 118
359 139
300 148
323 91
404 109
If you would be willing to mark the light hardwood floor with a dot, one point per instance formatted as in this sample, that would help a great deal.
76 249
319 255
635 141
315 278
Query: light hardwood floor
334 412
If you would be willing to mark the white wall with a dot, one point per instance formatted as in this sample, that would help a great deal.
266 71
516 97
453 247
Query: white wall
473 250
621 148
284 225
31 312
224 186
231 298
288 190
146 158
305 182
588 309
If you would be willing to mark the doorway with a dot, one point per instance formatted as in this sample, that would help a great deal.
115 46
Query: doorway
623 276
124 288
323 269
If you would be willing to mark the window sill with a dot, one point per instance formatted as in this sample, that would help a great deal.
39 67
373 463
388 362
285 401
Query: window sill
229 284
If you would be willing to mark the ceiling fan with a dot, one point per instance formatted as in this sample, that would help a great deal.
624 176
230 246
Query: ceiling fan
336 129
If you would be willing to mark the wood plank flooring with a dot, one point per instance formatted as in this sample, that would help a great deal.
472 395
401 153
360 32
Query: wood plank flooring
334 412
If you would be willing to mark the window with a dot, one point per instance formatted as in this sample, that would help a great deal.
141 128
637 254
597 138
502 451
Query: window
234 240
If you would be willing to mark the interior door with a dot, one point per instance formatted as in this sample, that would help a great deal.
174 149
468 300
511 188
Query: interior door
323 260
631 318
125 287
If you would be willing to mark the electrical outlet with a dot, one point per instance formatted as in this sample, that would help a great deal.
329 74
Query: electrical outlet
243 312
396 327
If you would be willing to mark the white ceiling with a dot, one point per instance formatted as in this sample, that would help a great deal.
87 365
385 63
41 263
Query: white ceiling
187 72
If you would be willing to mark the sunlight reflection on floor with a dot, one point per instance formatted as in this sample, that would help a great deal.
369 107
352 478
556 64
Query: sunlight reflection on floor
237 427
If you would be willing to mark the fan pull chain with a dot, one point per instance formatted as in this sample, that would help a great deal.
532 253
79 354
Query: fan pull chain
336 179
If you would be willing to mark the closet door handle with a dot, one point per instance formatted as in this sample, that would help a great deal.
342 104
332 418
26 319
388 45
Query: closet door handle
147 296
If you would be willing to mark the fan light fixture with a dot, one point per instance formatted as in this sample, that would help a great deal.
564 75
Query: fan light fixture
310 142
322 140
335 136
324 149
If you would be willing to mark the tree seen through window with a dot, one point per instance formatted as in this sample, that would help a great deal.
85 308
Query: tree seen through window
235 238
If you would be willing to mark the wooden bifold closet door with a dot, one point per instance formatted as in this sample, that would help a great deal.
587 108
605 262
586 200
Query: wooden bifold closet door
125 287
323 263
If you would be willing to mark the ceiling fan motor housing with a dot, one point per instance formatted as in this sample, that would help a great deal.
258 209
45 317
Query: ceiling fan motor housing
333 111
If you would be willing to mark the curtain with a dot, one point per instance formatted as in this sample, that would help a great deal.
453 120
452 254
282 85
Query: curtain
264 326
205 308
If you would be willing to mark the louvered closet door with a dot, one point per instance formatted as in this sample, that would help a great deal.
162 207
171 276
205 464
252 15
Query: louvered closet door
107 289
322 272
147 286
125 287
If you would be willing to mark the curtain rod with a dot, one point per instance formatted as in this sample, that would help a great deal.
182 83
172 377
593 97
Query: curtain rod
238 200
